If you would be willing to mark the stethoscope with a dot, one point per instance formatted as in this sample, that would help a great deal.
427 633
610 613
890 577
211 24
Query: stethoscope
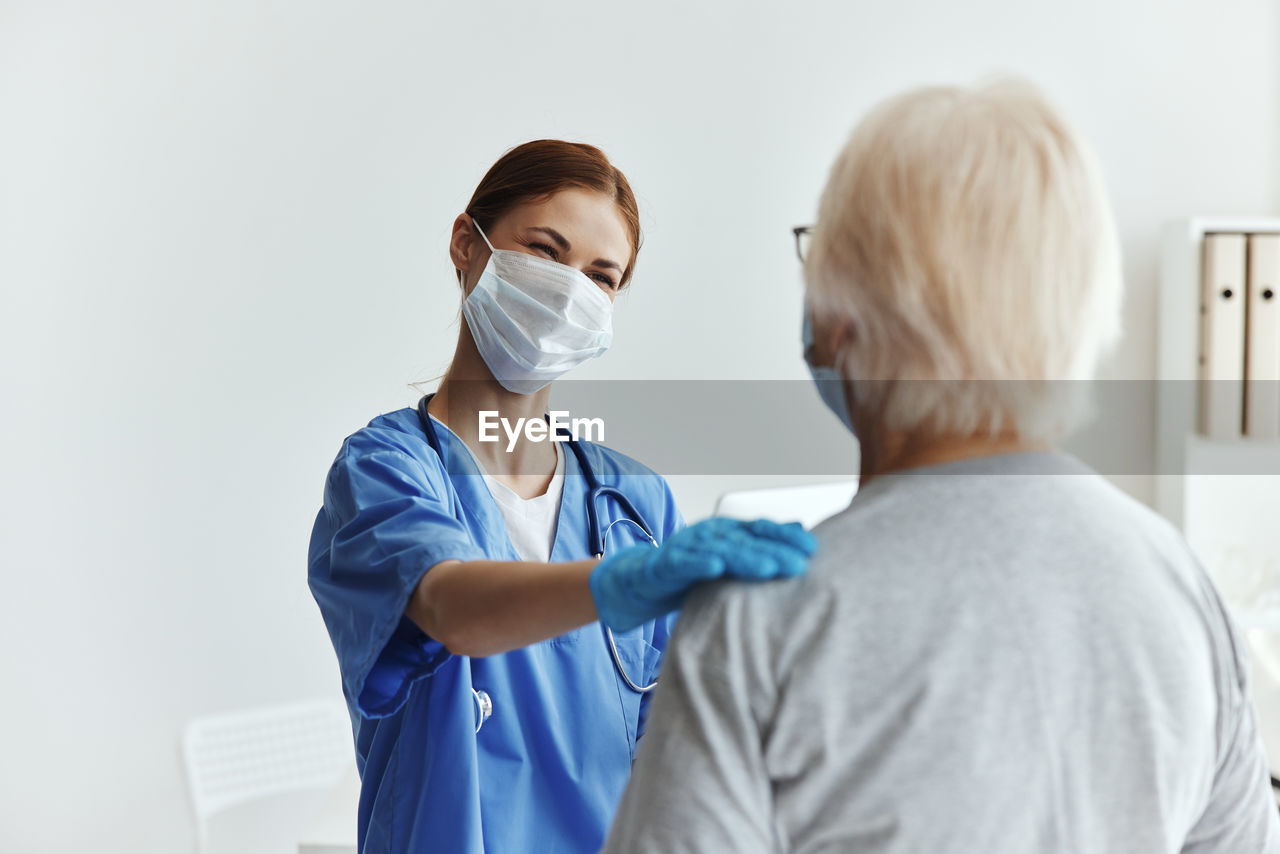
596 539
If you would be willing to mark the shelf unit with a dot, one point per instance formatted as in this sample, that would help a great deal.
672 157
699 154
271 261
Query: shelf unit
1180 450
1222 493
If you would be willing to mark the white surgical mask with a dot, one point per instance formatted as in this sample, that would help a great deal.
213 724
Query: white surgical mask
534 319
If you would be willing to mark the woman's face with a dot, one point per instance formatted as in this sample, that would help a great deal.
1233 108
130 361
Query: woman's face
579 228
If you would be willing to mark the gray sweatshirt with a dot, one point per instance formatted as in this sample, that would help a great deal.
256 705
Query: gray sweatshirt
998 656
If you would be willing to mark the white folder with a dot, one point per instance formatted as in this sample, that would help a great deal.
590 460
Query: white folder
1222 336
1262 338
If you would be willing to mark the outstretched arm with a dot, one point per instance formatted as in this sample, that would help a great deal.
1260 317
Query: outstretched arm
483 607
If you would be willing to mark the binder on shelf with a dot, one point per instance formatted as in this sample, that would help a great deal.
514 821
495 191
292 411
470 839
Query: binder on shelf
1222 314
1262 338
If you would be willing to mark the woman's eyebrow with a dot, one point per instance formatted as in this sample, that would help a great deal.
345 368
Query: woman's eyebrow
555 236
558 239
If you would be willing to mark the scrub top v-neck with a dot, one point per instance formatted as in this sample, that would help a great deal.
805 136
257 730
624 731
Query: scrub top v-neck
531 522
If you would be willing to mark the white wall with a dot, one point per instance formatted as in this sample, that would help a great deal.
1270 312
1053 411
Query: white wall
222 248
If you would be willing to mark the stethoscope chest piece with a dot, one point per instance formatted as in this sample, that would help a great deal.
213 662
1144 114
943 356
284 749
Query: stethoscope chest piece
484 707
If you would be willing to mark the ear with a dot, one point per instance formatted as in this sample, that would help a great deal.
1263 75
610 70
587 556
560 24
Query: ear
831 338
463 244
842 336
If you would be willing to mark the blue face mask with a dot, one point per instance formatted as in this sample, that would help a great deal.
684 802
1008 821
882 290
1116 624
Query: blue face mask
827 379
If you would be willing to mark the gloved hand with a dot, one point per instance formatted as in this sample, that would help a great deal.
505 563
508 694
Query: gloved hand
640 583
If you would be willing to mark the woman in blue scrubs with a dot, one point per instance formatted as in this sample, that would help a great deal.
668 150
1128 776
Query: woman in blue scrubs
456 576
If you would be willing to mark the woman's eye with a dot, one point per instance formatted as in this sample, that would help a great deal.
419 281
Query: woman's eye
608 283
546 249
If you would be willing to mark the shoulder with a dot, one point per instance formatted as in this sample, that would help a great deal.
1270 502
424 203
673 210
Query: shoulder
398 431
393 442
755 604
754 636
771 620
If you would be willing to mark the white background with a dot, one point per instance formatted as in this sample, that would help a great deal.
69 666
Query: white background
222 248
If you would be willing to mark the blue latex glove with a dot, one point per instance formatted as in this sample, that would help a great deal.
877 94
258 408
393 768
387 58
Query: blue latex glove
641 583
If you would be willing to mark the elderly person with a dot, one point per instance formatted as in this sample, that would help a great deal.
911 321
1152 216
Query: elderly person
995 650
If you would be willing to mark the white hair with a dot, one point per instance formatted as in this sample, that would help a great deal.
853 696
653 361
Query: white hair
966 237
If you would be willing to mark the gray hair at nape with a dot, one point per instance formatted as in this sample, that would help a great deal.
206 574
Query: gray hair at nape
966 237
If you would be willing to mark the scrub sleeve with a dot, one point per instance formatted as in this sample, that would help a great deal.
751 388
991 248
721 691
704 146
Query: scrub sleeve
390 523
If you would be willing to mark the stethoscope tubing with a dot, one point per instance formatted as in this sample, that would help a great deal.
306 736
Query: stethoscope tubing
596 542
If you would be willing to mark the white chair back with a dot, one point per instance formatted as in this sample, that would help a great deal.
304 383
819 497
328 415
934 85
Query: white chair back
246 755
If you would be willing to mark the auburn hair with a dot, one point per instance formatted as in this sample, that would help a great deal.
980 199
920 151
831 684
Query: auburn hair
544 167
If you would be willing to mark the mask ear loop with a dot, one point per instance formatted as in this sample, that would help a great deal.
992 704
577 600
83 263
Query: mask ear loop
480 231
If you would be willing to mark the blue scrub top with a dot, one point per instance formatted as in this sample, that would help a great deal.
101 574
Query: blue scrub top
546 771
